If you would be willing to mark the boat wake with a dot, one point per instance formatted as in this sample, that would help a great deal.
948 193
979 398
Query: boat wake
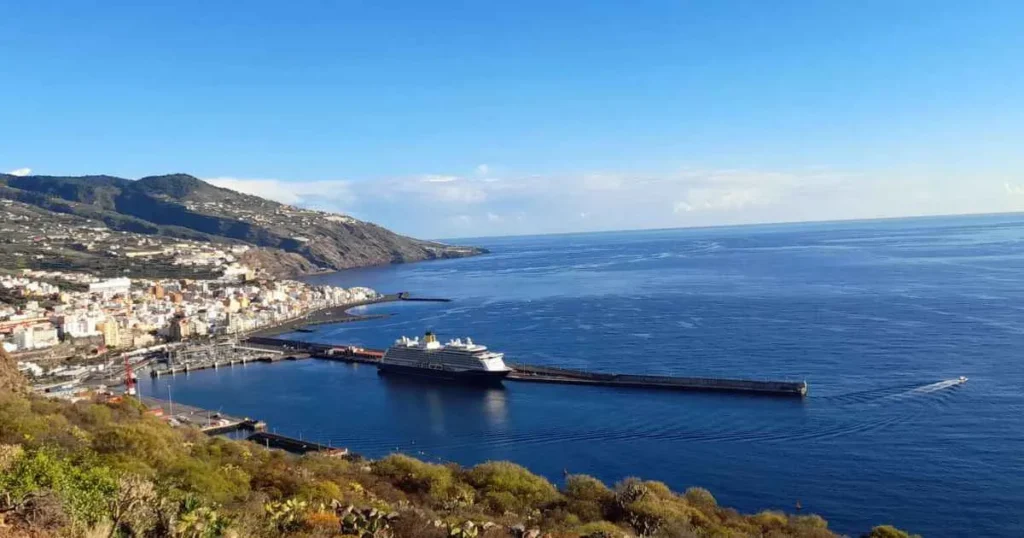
899 392
937 386
930 389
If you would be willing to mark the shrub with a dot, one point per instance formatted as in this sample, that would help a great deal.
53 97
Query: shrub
84 491
810 521
769 520
587 497
322 521
602 529
659 489
700 497
8 455
133 507
888 531
58 464
435 482
583 487
510 487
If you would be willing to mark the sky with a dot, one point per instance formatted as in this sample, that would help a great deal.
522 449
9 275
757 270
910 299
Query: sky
459 119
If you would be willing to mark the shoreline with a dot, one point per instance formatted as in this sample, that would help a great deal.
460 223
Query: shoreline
337 314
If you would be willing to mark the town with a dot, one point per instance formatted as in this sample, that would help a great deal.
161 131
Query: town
64 328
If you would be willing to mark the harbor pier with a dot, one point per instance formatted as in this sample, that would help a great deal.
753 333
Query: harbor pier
530 373
208 421
547 374
293 445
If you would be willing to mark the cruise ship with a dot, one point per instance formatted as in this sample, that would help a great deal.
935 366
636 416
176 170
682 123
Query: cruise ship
458 360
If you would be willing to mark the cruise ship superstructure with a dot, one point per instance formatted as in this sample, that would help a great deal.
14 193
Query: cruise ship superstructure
461 360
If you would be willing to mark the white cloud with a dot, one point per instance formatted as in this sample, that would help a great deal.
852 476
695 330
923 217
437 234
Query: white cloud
713 199
437 188
439 179
441 205
465 194
20 172
323 194
1015 190
483 170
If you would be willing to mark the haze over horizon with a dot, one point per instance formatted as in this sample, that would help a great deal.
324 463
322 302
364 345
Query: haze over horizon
460 121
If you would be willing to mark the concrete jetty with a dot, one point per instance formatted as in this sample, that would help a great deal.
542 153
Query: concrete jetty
546 374
293 445
208 421
530 373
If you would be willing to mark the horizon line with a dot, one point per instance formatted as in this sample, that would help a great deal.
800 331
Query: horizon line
743 225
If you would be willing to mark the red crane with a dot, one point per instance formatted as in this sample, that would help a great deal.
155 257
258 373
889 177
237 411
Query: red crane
129 377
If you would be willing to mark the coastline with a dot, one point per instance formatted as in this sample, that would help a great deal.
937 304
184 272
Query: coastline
338 314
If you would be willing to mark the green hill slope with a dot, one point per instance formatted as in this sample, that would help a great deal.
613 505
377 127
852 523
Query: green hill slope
182 206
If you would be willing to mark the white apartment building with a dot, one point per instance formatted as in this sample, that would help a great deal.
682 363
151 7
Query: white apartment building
111 287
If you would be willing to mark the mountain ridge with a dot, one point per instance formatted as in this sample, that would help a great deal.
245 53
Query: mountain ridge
185 207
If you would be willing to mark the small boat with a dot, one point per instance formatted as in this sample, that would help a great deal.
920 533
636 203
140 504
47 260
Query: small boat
962 379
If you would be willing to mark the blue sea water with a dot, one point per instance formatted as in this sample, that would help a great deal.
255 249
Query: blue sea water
877 316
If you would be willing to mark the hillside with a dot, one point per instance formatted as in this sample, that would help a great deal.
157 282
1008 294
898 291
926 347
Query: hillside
112 469
179 206
10 379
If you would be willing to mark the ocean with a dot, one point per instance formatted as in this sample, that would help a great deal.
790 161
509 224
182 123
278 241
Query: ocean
879 317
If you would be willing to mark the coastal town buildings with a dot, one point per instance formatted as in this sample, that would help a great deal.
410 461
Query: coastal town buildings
37 312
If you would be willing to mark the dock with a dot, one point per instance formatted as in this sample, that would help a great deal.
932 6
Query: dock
209 422
530 373
293 445
222 355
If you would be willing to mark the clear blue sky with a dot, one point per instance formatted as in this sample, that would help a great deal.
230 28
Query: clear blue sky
462 118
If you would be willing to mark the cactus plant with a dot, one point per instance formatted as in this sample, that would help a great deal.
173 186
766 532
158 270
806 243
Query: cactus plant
285 515
366 522
467 529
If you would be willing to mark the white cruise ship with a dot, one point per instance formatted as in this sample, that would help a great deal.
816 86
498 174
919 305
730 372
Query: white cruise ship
460 360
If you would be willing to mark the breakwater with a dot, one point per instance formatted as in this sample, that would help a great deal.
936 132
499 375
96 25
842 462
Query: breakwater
529 373
546 374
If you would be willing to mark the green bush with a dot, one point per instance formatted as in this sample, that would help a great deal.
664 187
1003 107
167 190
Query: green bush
436 483
888 531
508 487
587 497
602 529
700 497
84 490
112 470
583 487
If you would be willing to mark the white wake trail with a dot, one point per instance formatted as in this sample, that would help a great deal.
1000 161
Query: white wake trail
936 386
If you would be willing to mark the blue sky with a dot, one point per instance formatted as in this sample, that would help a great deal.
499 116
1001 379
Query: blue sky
478 118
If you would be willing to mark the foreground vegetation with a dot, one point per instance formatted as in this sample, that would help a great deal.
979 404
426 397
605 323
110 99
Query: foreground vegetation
104 470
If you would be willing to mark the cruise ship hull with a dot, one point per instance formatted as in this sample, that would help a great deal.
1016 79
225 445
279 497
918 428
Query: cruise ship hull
481 377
